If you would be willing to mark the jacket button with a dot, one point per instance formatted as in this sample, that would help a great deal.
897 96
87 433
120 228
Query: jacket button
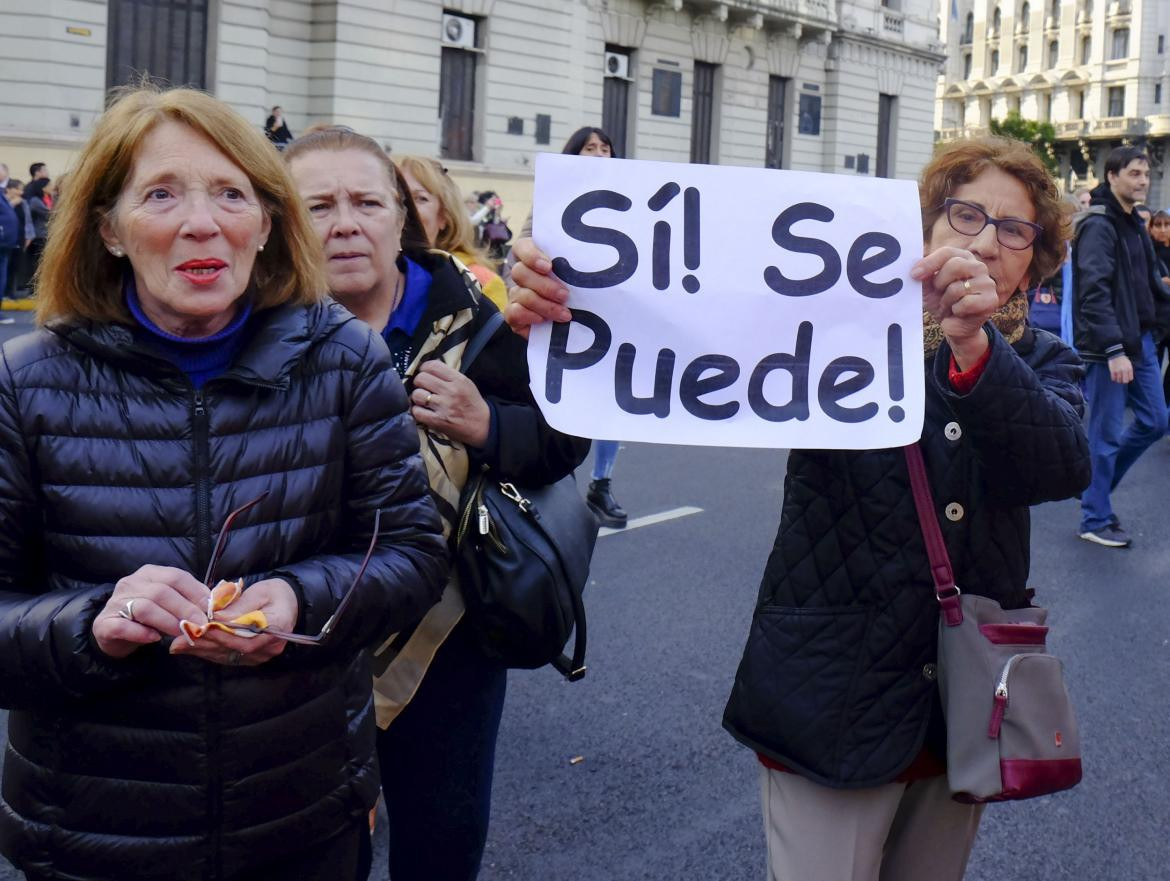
953 431
954 512
929 672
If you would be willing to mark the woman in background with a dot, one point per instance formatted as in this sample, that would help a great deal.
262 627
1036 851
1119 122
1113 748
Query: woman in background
440 208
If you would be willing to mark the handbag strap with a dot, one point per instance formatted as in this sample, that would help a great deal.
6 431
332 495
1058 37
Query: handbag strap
945 590
476 344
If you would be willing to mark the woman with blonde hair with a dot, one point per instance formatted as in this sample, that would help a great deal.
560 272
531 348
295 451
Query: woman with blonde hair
441 209
189 371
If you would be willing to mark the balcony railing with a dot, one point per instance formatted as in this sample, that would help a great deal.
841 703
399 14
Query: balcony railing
1071 129
893 22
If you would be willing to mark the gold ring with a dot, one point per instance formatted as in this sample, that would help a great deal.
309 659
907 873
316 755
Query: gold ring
427 402
967 285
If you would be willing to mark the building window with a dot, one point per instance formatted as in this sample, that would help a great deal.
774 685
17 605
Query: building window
666 92
1046 107
1117 100
777 114
1120 47
702 111
1025 16
1086 49
1157 93
995 61
809 114
1053 54
1161 43
1022 58
996 21
615 96
887 125
969 29
461 36
165 39
1080 104
967 66
1013 104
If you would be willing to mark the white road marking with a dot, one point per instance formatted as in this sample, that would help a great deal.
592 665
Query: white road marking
651 520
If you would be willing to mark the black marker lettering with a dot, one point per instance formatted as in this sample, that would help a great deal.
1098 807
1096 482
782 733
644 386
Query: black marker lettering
573 225
783 236
560 359
694 385
832 388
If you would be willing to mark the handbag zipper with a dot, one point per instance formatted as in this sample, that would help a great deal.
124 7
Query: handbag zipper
1000 702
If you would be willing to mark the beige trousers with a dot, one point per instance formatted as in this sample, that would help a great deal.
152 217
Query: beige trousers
897 832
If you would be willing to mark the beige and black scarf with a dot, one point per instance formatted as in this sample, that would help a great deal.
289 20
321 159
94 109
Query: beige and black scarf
400 663
1010 319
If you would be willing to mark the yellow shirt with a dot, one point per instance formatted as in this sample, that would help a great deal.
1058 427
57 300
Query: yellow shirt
492 284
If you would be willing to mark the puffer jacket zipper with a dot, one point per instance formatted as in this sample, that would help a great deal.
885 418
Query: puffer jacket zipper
202 469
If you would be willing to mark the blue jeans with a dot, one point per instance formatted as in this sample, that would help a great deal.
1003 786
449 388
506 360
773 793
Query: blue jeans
438 758
1114 447
604 455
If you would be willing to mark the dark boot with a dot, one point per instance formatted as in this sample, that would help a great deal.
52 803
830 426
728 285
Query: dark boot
604 505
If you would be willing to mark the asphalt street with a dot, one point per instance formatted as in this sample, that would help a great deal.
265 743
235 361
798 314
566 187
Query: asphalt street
628 776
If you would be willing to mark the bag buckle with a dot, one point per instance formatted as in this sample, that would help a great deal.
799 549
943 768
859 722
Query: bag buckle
509 491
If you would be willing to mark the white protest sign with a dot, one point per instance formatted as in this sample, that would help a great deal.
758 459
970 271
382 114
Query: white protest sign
725 306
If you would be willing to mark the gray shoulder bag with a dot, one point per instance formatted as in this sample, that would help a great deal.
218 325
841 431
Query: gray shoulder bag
1011 733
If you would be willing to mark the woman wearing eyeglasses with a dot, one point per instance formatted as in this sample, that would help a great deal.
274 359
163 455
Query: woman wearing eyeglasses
838 695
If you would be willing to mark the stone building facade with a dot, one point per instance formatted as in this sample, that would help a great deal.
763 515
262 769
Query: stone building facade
821 85
1096 69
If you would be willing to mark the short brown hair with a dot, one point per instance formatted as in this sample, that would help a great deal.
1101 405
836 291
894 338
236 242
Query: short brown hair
338 138
458 234
960 162
80 278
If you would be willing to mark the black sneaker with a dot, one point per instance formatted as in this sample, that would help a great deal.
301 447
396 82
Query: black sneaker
604 505
1111 536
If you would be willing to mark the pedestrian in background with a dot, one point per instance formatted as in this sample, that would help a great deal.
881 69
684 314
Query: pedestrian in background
440 207
39 201
11 231
836 690
276 129
439 695
1122 309
188 362
17 272
591 141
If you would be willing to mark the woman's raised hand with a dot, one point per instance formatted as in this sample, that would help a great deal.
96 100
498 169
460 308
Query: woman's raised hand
146 606
536 294
958 291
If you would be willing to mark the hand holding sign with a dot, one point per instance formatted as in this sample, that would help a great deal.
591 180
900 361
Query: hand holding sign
724 306
960 293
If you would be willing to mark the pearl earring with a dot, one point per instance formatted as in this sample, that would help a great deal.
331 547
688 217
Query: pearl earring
259 247
117 252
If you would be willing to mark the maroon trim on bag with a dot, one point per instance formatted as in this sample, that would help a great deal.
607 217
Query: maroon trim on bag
999 707
1025 778
945 589
1014 634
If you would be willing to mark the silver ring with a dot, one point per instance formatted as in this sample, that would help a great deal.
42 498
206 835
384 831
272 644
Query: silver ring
967 285
233 658
128 612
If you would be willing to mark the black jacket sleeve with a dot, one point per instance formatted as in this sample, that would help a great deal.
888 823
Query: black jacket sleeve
46 650
1096 266
383 471
527 449
1025 419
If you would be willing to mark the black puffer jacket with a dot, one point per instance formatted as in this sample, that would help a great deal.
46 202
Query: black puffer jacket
834 681
167 767
1105 309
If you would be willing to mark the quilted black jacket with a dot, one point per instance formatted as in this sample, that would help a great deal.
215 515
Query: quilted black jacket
837 678
160 766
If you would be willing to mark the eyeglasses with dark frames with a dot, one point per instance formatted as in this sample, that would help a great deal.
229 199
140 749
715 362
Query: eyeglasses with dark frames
328 628
970 220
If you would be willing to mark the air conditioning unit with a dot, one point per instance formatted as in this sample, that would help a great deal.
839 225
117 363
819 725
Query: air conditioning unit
617 64
458 31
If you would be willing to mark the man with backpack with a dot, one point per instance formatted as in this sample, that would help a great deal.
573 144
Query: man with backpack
1121 309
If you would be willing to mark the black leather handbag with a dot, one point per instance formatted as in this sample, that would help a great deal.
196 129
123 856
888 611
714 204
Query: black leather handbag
522 556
